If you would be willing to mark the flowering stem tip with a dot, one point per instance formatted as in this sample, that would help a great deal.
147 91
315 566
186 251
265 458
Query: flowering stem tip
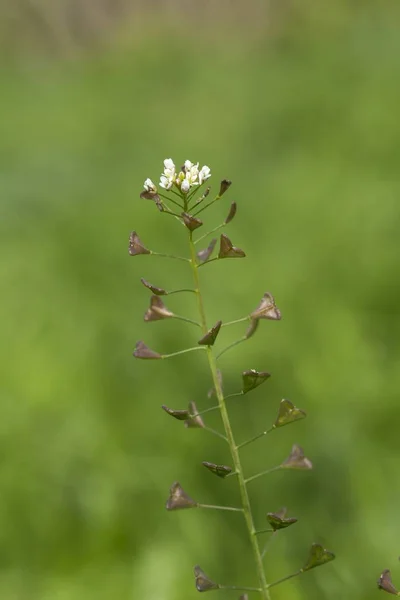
181 187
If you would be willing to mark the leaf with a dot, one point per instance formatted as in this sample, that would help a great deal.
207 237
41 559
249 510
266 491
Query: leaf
204 255
156 290
178 498
209 338
318 556
297 460
135 245
279 521
219 470
203 583
191 222
194 421
143 351
157 310
385 583
252 379
288 413
181 415
267 309
227 250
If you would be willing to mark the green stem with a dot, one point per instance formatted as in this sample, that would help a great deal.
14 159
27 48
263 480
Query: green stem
229 433
264 531
239 588
236 321
183 351
206 410
169 256
286 578
206 206
186 320
268 544
257 475
171 199
239 341
233 395
181 290
210 232
214 432
206 262
215 507
253 439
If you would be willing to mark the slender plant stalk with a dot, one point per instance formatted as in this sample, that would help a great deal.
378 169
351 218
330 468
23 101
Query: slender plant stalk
228 432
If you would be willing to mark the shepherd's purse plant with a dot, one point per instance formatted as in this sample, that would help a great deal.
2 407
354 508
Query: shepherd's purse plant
183 194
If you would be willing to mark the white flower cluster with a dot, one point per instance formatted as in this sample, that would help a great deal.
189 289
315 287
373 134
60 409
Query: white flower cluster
188 177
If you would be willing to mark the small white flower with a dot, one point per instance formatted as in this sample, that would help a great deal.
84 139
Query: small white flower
169 164
185 186
192 172
168 177
149 186
204 174
166 182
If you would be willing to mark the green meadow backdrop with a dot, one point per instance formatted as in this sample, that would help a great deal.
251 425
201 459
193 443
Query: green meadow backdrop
299 106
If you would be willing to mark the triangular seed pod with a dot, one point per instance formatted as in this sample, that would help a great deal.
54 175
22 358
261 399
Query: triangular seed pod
252 379
196 421
209 338
385 583
297 460
225 184
178 498
288 413
143 351
135 245
267 309
205 254
191 222
157 310
156 290
279 521
219 470
152 196
244 597
232 213
318 556
181 415
203 583
228 250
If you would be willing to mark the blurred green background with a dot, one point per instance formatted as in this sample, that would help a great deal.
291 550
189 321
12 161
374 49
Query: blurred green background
298 104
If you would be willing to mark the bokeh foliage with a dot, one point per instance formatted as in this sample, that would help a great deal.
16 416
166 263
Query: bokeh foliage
304 117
